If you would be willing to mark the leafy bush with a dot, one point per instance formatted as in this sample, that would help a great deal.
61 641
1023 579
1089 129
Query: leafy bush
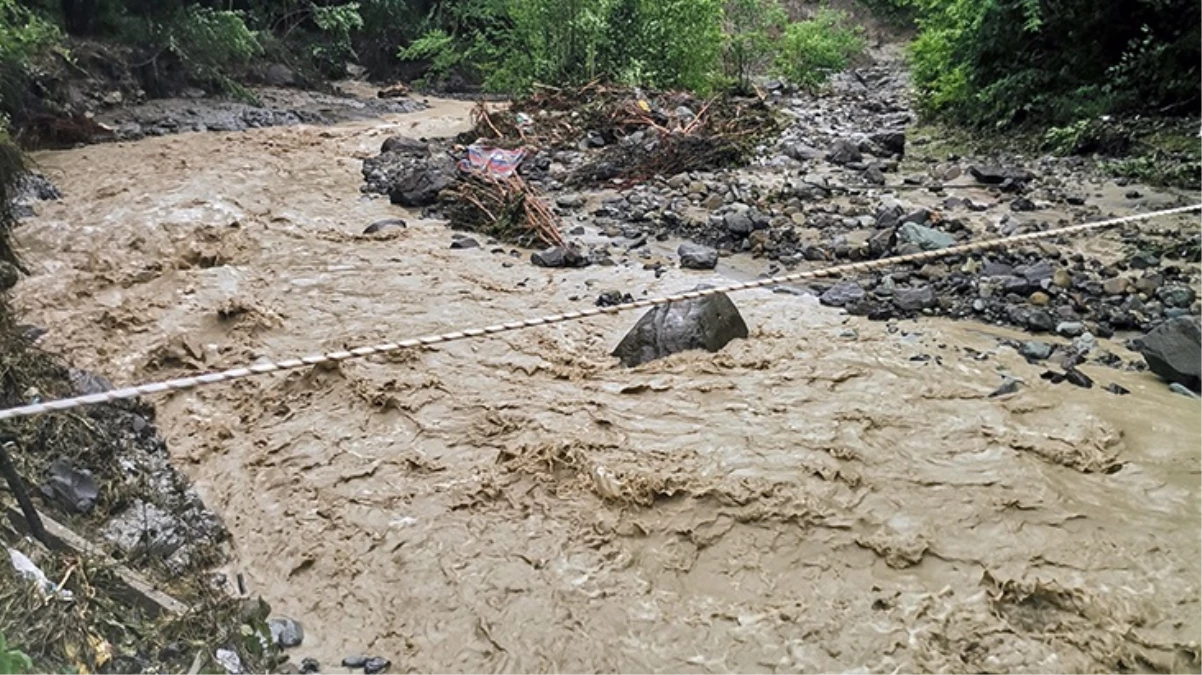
13 661
210 43
1000 63
752 28
507 45
812 50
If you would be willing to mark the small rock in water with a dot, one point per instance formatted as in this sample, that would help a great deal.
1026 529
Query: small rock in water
709 323
1117 389
1177 388
697 257
286 632
611 298
74 488
376 664
1035 350
1074 376
381 225
465 242
354 661
559 256
1009 387
310 665
1173 350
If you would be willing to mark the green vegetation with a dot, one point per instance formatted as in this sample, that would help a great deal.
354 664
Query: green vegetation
811 50
13 661
1006 63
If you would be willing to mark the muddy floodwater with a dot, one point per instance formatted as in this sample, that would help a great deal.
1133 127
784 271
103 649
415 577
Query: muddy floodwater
829 495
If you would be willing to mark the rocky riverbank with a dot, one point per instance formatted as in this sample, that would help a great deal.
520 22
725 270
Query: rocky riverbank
847 180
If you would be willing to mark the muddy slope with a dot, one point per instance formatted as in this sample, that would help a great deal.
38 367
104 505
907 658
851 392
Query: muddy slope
830 494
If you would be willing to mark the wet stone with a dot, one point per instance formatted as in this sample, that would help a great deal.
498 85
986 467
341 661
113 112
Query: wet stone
465 242
1173 350
1078 378
1117 389
376 664
842 294
1035 350
559 256
697 257
1176 295
354 661
286 632
1070 328
381 225
310 665
708 323
914 299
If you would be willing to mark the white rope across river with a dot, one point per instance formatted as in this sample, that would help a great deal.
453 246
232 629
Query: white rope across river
195 381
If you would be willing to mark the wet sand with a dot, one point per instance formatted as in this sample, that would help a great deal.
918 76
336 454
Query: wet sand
810 499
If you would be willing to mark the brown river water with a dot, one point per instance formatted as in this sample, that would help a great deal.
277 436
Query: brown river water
809 499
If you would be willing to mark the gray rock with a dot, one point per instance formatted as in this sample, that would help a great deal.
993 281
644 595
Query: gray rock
9 275
697 257
843 152
924 237
1177 388
1176 295
145 528
1173 350
286 633
996 175
569 201
1041 320
842 294
1070 328
357 661
892 142
1037 272
420 182
708 323
1036 350
73 488
739 223
914 299
376 664
559 256
381 225
229 660
309 665
403 145
464 242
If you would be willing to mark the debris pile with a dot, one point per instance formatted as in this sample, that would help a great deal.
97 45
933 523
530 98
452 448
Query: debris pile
639 135
491 198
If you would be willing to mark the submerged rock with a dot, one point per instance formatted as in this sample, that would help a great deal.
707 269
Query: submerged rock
708 323
1173 350
381 225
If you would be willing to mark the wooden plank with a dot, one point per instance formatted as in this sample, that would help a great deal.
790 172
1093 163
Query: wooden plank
134 587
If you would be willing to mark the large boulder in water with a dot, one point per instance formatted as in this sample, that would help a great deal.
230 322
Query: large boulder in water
1173 351
708 323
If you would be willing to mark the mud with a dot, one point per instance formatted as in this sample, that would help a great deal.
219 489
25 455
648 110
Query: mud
830 494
